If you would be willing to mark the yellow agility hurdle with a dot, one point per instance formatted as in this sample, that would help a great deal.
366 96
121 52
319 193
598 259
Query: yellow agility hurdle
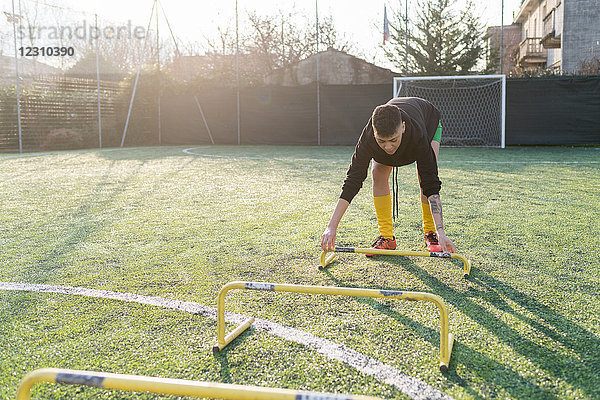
177 387
446 338
328 259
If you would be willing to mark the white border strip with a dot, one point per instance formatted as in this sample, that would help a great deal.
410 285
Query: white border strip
413 387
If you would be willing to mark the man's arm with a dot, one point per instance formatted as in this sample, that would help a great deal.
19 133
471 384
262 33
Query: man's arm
359 165
436 211
357 173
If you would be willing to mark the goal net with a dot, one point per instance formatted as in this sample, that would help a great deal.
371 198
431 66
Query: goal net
472 107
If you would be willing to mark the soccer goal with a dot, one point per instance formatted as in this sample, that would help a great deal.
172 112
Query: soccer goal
473 107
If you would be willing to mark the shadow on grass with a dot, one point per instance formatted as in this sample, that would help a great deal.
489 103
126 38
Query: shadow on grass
81 225
221 356
578 370
84 221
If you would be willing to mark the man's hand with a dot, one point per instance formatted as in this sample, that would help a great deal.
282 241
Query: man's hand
328 239
446 243
436 212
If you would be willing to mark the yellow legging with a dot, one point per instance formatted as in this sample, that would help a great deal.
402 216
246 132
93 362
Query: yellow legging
383 210
428 224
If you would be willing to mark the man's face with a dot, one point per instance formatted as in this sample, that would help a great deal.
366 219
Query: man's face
391 144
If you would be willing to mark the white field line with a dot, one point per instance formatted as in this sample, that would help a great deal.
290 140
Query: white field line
191 152
58 152
413 387
519 162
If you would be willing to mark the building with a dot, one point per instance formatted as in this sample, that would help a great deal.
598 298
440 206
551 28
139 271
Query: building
557 35
509 37
27 67
335 68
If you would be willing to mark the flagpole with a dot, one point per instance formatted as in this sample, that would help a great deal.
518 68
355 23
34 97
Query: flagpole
386 29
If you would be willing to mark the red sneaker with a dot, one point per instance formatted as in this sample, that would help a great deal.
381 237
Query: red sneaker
433 244
383 243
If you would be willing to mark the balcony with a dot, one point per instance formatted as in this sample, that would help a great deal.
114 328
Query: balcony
550 38
531 52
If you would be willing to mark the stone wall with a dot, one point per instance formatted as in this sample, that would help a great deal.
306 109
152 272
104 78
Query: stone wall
581 33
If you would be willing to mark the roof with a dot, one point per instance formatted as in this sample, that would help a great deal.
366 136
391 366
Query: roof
527 7
335 67
27 67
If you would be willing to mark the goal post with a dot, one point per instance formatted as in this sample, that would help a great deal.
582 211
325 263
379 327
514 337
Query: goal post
473 107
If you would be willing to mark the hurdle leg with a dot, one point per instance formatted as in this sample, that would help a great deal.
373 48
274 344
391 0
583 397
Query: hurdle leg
326 259
446 338
223 340
221 343
445 358
466 263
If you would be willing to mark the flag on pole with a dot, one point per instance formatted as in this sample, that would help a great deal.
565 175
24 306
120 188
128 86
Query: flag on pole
386 26
16 18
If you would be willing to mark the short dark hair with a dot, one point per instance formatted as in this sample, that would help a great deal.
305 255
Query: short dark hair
386 120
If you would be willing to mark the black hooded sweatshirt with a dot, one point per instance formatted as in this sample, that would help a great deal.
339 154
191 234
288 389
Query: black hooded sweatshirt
422 119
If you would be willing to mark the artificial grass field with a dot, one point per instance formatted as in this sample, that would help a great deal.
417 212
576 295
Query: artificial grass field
163 222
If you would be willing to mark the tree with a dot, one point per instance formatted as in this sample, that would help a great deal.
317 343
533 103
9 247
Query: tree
443 41
278 41
492 62
589 66
269 43
85 68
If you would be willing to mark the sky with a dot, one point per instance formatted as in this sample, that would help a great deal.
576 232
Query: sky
360 22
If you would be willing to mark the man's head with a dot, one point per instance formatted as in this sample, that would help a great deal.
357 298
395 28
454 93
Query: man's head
388 127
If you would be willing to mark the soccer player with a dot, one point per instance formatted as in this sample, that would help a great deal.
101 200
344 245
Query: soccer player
405 130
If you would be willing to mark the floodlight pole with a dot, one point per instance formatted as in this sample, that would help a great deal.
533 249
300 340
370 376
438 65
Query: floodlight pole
406 38
17 79
98 84
318 81
237 72
21 42
502 39
158 77
137 76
